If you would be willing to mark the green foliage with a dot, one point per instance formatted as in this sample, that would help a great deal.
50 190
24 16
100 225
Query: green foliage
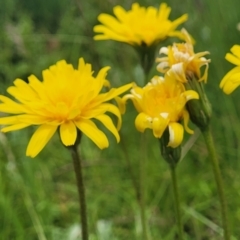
38 198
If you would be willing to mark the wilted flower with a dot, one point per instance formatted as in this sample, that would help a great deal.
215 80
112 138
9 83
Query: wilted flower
184 63
67 99
232 79
161 105
138 26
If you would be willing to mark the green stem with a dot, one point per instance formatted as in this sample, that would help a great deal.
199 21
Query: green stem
142 188
81 190
218 179
176 201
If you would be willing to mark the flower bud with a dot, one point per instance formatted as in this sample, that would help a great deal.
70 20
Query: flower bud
170 155
200 110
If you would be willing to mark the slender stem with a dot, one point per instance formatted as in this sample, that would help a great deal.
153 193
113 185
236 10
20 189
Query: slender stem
146 59
176 201
142 188
81 190
218 178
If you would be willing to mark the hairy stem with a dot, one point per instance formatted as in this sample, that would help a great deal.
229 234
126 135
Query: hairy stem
218 179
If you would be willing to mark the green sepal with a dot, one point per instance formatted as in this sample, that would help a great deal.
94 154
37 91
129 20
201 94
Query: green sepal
200 110
170 155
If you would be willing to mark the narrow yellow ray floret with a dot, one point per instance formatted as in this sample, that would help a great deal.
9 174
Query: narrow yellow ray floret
67 99
138 26
161 105
232 79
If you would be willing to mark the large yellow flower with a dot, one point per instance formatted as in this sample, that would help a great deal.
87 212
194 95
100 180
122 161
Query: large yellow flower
232 79
138 26
183 61
68 99
161 104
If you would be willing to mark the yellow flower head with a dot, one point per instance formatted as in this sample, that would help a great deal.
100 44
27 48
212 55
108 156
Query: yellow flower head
232 79
182 61
161 104
138 26
68 99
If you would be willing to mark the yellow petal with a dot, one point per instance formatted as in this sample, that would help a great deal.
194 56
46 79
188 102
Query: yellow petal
228 75
8 120
110 22
179 21
108 34
114 92
100 80
186 121
205 74
92 112
233 59
88 128
230 86
106 84
68 133
107 122
190 94
9 106
120 13
31 119
159 125
121 104
39 139
179 72
14 127
114 110
235 50
143 121
136 102
35 83
175 134
22 91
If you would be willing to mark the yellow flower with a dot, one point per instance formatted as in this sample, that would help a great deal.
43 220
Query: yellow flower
68 99
183 62
139 26
232 79
161 104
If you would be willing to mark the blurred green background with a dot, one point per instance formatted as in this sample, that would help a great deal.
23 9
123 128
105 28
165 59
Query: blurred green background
38 197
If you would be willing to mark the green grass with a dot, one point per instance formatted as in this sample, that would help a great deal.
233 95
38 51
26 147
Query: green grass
38 197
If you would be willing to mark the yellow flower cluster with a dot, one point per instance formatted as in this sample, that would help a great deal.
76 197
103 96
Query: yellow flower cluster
161 104
69 99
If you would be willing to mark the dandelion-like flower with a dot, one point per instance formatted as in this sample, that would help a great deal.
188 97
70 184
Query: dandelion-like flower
184 63
232 79
138 26
67 99
161 105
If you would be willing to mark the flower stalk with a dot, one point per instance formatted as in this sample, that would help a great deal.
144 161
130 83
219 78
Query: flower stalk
176 201
218 179
147 58
172 156
77 163
142 188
